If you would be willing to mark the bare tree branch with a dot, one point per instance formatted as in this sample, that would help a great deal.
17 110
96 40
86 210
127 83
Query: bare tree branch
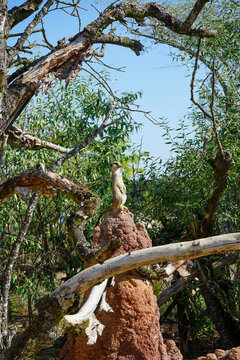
139 12
171 252
220 149
193 14
124 41
193 80
18 139
20 13
86 141
28 31
65 62
45 183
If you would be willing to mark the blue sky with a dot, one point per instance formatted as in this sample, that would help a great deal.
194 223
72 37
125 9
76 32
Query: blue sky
164 83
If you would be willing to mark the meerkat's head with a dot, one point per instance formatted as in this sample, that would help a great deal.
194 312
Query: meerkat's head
115 165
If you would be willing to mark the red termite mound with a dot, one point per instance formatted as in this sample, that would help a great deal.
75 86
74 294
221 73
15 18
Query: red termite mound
131 331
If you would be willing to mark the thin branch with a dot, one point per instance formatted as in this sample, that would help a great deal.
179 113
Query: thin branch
193 14
96 56
50 46
124 41
20 34
188 51
220 149
101 80
192 83
28 31
12 258
86 141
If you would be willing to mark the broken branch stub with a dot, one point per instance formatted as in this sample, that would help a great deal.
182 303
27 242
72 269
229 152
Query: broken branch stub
47 183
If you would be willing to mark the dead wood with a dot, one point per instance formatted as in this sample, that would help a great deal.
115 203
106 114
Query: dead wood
51 316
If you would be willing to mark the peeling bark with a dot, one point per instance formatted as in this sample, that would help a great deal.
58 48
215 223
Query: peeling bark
89 305
46 183
157 272
65 62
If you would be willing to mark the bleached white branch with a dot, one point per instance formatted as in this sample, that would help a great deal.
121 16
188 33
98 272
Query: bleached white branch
125 262
89 306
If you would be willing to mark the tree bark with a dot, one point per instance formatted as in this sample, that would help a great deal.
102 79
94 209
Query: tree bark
65 61
227 325
46 183
5 286
3 56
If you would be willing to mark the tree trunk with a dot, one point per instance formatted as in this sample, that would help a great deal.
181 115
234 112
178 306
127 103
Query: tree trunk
227 325
3 55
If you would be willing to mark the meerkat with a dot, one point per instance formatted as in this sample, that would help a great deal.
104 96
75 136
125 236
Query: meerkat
118 188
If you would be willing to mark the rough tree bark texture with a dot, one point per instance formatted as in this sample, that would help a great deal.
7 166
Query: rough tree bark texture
227 325
65 61
132 330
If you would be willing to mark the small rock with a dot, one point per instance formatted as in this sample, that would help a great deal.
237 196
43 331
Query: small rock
221 354
234 354
172 350
211 356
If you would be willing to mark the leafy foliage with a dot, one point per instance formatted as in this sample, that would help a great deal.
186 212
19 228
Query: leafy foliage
64 117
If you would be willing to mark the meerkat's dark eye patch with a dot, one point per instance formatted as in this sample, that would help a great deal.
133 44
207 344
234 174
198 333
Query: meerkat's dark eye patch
115 163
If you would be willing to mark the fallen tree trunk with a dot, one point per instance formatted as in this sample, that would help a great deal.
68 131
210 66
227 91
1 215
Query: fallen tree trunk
41 331
171 252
